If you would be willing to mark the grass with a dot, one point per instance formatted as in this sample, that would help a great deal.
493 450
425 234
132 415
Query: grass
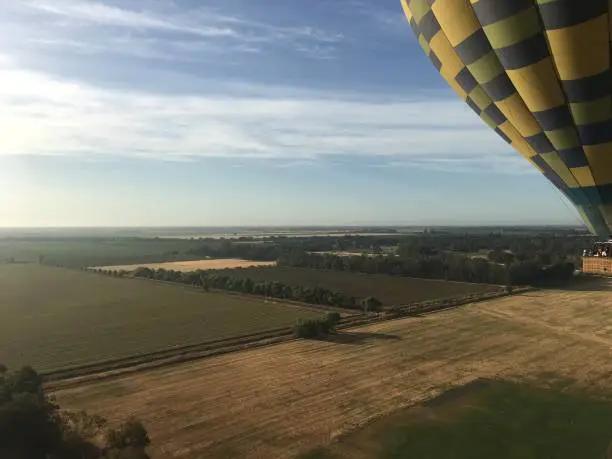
486 419
391 290
53 318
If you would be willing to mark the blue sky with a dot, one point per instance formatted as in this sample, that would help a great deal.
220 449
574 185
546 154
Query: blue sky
242 112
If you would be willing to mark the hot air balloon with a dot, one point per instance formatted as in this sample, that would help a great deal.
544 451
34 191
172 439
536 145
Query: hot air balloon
538 73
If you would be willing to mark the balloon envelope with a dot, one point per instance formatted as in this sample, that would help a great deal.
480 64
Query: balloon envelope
538 73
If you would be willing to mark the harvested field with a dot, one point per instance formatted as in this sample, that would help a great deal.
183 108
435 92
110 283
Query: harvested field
282 400
391 290
193 265
52 318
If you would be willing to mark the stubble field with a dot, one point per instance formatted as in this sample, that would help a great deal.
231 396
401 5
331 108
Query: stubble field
285 399
191 265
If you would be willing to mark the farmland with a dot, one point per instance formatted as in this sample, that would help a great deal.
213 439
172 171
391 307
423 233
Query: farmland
283 400
54 317
388 289
82 252
192 265
473 422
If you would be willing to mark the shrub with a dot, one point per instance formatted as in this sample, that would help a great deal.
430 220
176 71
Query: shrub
130 434
317 328
371 304
333 318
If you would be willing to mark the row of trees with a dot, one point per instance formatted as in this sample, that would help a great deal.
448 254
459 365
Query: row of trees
32 426
272 289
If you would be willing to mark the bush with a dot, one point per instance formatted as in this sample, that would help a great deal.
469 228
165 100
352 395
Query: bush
317 328
371 304
314 328
130 434
333 318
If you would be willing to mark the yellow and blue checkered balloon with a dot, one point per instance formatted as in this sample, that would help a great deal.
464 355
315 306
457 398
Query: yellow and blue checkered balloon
538 73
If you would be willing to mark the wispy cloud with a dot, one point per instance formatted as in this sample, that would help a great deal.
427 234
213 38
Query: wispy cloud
42 115
389 20
162 31
99 13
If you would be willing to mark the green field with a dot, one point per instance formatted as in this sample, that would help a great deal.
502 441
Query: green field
484 420
52 318
391 290
83 252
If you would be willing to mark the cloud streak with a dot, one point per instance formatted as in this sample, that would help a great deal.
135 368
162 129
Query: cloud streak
43 115
163 31
99 13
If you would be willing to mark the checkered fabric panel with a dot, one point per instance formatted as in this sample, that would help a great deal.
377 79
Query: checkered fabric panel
538 73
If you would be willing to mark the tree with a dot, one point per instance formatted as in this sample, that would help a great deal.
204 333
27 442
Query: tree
30 426
33 427
371 304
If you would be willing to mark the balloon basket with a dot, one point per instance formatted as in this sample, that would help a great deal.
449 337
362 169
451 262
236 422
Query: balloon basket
597 265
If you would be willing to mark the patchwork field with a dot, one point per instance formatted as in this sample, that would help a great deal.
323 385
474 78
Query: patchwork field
388 289
283 400
194 265
52 318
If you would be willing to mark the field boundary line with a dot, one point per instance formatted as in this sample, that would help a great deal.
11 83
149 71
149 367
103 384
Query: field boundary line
63 380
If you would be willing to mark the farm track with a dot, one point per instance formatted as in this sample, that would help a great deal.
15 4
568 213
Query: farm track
277 401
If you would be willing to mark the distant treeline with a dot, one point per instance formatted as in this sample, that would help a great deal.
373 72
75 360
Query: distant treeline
545 249
508 258
548 249
438 266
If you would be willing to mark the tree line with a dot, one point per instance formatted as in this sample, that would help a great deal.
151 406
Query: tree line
493 258
32 426
272 289
547 248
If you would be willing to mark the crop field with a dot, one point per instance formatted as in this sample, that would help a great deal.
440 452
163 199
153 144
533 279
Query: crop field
390 290
485 419
84 252
53 318
193 265
283 400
